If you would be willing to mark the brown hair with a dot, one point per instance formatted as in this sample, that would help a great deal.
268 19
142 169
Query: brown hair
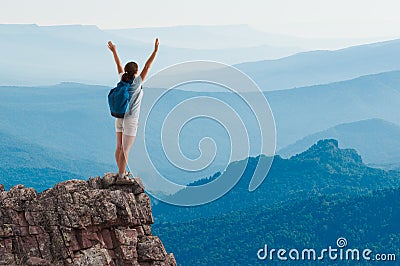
131 69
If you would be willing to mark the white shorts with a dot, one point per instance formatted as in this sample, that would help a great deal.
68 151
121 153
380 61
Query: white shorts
128 125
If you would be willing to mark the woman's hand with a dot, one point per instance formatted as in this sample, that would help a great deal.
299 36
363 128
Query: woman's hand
156 45
112 47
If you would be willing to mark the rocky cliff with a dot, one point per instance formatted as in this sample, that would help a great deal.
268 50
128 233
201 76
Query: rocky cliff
77 222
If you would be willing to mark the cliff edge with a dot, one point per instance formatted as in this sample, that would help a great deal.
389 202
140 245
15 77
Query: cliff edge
77 222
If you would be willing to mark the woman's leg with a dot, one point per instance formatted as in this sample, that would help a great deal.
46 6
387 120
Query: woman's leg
127 142
118 149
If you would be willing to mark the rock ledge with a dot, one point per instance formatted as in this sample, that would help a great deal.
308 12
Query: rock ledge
77 222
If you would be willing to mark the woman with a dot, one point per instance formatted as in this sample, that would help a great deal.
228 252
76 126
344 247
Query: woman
126 127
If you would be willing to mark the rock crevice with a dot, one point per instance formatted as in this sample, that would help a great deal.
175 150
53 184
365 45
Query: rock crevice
77 222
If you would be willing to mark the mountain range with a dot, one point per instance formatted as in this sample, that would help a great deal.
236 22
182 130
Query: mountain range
73 119
78 53
324 169
320 67
40 167
307 201
230 36
233 238
304 111
45 55
376 140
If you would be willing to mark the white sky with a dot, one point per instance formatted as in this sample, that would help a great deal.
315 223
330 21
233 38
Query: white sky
308 18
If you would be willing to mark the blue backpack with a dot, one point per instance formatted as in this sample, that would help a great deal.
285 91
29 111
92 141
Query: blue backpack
119 98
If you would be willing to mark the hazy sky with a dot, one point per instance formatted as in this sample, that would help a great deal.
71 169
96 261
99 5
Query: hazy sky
311 18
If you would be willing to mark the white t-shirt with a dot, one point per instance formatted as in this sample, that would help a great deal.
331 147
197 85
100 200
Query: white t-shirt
137 93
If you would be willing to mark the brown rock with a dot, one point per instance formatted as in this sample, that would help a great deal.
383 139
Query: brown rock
27 245
139 187
73 243
7 259
145 214
35 230
35 261
84 237
128 253
107 238
95 255
139 230
150 248
127 237
6 256
29 218
108 180
169 261
147 229
21 219
133 185
24 231
94 222
6 230
95 182
111 253
44 243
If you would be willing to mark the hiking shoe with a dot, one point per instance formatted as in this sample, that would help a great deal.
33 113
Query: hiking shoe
128 174
124 179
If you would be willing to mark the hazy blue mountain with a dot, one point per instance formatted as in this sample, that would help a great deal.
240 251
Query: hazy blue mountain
304 111
324 169
38 55
377 141
26 163
204 37
43 55
78 53
319 67
230 36
74 119
70 118
307 110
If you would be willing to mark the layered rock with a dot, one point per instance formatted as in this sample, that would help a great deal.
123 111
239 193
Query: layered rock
94 222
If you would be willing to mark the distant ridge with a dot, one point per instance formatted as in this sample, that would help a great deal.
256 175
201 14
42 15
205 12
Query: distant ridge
53 52
323 167
303 111
377 141
321 67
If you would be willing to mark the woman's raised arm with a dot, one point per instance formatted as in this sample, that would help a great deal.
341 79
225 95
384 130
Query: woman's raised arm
113 49
149 61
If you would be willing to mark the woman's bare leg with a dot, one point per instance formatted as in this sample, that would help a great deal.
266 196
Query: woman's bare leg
127 142
118 149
